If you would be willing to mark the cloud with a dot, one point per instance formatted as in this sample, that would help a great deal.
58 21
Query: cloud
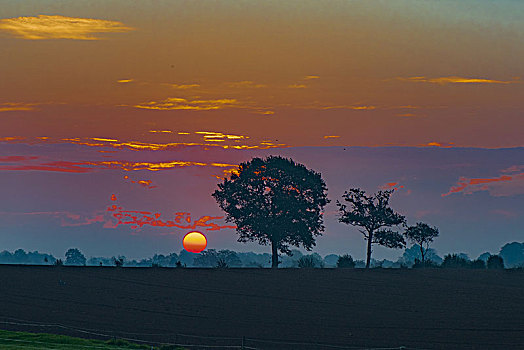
184 86
17 106
176 103
59 27
503 185
438 144
124 81
139 218
311 77
331 136
297 86
246 84
456 80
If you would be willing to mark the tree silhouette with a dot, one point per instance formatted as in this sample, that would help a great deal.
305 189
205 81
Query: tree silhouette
274 201
75 257
421 234
374 215
495 262
345 262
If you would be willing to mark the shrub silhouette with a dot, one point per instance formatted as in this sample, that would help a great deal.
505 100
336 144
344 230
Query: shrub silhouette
118 262
495 262
346 262
58 262
423 264
478 264
454 261
306 262
222 264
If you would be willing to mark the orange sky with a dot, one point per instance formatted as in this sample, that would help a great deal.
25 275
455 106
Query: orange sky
373 73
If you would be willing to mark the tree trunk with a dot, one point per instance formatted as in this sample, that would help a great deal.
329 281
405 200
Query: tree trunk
274 257
422 253
368 259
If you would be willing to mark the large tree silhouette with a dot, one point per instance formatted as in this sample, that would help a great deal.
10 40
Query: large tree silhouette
374 215
274 201
421 234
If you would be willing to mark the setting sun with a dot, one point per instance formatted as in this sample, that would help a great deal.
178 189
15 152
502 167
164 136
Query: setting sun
194 242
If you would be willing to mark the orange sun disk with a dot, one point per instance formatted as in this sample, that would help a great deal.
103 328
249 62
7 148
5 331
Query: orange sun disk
194 242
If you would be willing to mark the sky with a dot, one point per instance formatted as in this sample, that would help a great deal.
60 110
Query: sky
144 106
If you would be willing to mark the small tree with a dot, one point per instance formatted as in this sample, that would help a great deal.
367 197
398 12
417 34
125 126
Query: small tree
75 257
455 261
495 262
274 201
374 215
118 262
478 264
421 234
346 262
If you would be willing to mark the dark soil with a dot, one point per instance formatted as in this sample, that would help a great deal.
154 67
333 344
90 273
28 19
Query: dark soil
428 309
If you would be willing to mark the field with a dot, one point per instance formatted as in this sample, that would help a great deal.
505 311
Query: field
264 309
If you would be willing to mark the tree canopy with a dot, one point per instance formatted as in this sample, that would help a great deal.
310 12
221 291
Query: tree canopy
274 201
374 215
75 257
421 234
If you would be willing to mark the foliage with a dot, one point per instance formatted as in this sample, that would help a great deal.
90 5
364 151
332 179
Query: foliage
412 253
212 258
513 254
75 257
495 262
346 262
478 264
58 262
310 261
221 264
373 214
274 201
424 264
331 260
119 262
455 261
421 234
20 256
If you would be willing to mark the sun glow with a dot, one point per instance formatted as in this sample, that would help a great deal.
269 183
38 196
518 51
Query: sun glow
194 242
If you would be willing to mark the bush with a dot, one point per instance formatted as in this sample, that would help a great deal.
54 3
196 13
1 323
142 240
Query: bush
221 264
454 261
118 262
495 262
58 262
428 263
478 264
346 262
306 262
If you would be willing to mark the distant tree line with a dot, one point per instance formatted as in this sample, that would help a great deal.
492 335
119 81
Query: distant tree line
511 255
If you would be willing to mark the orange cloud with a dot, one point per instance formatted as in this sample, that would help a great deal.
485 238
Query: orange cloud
455 80
297 86
174 103
503 185
438 144
17 106
184 86
311 77
246 84
60 27
331 136
124 81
